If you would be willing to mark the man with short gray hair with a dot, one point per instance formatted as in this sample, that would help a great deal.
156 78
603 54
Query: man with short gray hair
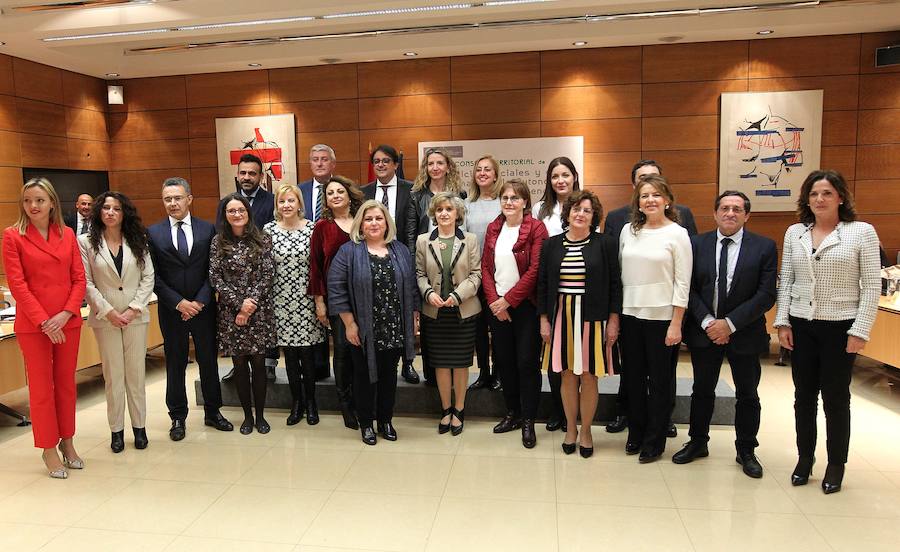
322 162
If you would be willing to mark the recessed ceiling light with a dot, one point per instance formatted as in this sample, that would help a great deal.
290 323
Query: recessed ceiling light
2 43
765 32
112 75
579 43
670 39
399 11
410 54
254 65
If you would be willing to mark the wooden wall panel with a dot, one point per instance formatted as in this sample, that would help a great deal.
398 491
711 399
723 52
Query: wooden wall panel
591 67
349 169
235 88
612 197
88 155
405 140
8 117
686 167
495 72
407 77
875 162
46 152
37 81
345 144
695 62
203 152
686 98
9 192
680 133
797 57
201 121
148 184
505 106
839 128
86 124
321 115
149 154
7 86
841 159
152 93
84 92
839 92
41 117
204 181
165 124
868 43
881 126
607 169
879 91
322 82
10 150
591 102
877 196
496 130
404 111
599 134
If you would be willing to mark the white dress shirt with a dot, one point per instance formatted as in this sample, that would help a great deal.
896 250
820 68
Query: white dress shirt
80 221
733 251
392 194
188 231
311 209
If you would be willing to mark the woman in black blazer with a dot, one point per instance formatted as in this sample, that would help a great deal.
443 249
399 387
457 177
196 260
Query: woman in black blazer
579 292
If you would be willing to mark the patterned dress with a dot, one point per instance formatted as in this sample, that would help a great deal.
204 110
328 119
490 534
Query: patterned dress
296 324
386 309
236 276
575 344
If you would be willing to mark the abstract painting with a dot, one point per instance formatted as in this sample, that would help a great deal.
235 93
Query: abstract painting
272 138
769 142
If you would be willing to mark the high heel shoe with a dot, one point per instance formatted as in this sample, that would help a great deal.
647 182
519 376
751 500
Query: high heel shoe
568 448
73 464
802 471
442 427
459 415
117 441
585 452
834 475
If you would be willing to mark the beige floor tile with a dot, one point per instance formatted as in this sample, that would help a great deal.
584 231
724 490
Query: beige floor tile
506 478
260 513
75 539
495 525
167 507
420 436
205 463
852 534
479 437
751 532
612 483
893 476
61 501
204 544
328 434
710 487
589 528
863 494
21 456
300 468
307 548
26 537
128 463
377 472
382 522
10 481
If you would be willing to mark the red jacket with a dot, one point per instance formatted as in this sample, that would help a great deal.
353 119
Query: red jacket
45 276
527 251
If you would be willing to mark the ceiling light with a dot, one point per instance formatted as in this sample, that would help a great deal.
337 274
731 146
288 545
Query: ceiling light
410 54
254 65
2 43
112 75
579 43
512 2
245 23
105 35
399 11
765 32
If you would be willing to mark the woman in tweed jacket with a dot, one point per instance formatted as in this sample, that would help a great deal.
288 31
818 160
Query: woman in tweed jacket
827 300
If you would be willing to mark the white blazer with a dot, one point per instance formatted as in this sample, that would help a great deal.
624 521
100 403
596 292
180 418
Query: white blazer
840 281
106 290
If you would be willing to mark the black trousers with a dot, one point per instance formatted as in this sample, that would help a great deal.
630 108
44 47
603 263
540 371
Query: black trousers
649 381
343 363
301 372
483 340
321 352
375 401
745 370
517 352
176 334
427 368
820 362
620 367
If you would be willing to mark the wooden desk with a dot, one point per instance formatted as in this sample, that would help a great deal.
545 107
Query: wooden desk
884 339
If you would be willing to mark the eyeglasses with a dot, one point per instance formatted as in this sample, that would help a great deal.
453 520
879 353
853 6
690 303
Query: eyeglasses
582 210
734 209
510 199
237 212
385 161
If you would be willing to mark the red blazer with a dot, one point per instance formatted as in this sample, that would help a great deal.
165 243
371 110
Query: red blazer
527 251
45 276
327 238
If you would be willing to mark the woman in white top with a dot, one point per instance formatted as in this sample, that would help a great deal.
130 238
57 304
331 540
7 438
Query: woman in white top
482 207
562 180
827 300
656 259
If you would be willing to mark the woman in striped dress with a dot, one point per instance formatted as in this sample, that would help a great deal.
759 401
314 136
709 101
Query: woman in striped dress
579 300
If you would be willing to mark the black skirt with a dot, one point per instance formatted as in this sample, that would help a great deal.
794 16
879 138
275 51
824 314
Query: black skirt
450 340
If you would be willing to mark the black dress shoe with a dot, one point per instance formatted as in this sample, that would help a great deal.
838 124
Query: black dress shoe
296 413
691 451
218 422
618 425
262 425
648 457
430 383
368 435
632 448
117 442
671 431
834 475
496 385
568 448
387 431
442 427
409 374
247 426
350 421
480 383
140 438
802 471
510 422
270 373
229 376
312 412
748 460
553 423
460 416
585 452
176 432
529 438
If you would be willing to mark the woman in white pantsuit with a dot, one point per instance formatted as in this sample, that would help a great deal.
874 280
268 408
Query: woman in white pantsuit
119 276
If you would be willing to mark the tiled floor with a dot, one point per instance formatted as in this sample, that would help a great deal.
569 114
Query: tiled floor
320 489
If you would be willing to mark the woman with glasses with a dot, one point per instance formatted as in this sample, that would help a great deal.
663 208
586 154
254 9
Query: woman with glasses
509 271
242 271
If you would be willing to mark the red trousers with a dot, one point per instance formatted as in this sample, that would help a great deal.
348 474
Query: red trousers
51 385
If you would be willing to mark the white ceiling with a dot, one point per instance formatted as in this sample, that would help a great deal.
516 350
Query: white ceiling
23 32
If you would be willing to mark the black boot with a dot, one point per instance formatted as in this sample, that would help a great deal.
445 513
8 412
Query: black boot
350 421
529 438
296 413
802 470
617 425
834 475
312 412
140 438
117 443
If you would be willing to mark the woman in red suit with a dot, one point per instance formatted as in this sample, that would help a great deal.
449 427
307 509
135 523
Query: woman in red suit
46 277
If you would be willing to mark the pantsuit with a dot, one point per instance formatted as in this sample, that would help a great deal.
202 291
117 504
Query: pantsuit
517 353
177 334
375 400
122 352
342 360
820 362
51 385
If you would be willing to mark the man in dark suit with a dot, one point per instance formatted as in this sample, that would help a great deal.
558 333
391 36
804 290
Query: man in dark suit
732 287
612 226
394 194
79 221
179 246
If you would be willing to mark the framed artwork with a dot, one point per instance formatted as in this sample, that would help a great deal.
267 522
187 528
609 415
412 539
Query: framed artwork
272 138
768 143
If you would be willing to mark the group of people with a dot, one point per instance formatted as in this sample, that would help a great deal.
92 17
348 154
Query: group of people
472 268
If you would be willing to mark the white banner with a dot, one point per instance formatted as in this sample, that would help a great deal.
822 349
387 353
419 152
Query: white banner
522 158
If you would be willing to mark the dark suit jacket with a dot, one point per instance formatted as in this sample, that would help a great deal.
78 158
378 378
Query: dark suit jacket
404 187
618 218
263 209
71 221
752 292
178 277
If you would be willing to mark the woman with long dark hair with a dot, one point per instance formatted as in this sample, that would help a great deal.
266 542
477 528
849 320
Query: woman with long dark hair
242 270
119 272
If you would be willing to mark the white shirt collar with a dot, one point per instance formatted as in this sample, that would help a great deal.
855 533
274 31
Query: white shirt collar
391 183
186 220
735 238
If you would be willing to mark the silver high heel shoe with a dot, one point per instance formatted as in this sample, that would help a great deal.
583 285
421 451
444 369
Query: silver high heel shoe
76 464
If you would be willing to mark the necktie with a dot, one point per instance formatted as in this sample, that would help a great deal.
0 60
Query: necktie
84 227
723 278
182 238
320 201
384 197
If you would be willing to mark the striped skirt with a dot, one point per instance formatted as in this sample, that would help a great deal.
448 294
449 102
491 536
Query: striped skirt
575 344
450 340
